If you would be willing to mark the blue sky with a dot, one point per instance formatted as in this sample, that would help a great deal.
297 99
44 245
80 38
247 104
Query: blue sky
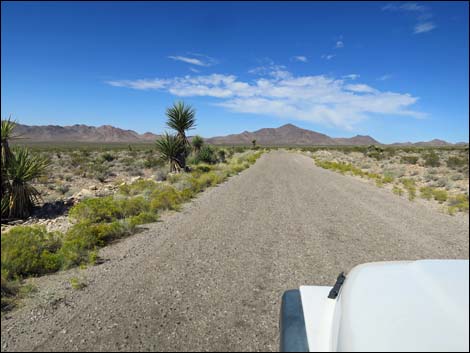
396 71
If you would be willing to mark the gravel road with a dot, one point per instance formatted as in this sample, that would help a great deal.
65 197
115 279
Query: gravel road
211 277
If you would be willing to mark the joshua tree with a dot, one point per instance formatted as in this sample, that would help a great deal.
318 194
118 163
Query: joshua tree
197 143
181 117
171 148
19 168
254 143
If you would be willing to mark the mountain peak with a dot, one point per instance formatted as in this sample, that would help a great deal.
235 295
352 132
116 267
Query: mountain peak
288 126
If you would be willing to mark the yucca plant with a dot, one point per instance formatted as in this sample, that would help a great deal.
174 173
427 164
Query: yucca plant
7 127
22 169
197 143
171 147
181 117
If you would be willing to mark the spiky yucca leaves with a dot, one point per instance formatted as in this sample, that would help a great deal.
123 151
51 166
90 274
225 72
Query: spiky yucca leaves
197 143
181 117
171 147
23 168
7 128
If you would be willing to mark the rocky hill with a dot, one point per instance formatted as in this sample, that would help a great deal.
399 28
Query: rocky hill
80 133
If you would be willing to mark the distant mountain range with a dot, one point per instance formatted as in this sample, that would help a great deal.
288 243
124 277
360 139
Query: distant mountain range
289 135
80 133
286 135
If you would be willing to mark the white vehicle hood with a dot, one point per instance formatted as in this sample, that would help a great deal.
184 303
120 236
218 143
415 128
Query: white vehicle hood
392 306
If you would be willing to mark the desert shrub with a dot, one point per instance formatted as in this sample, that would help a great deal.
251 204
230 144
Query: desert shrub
456 162
459 203
410 186
221 155
387 179
203 168
139 186
206 155
132 206
457 176
9 291
440 195
77 160
143 218
29 251
441 182
153 162
161 175
77 283
108 157
165 198
431 159
84 237
409 159
63 188
426 192
101 209
397 190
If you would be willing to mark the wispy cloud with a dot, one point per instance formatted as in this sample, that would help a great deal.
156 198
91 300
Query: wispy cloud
328 56
384 77
423 15
195 59
360 88
321 99
351 77
300 58
424 27
339 44
194 70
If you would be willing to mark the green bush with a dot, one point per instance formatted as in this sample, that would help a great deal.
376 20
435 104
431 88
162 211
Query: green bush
409 159
440 195
426 192
456 162
29 251
108 157
84 237
459 203
165 198
431 159
206 155
101 209
143 218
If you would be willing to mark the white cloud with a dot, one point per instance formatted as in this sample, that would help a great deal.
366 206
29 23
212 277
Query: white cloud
424 27
300 58
194 70
328 56
422 13
339 44
351 77
360 88
321 99
385 77
203 61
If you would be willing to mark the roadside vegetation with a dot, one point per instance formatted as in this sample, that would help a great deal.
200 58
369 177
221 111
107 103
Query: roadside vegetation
440 175
183 168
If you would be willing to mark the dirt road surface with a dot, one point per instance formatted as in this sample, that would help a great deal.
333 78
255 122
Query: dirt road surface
211 277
